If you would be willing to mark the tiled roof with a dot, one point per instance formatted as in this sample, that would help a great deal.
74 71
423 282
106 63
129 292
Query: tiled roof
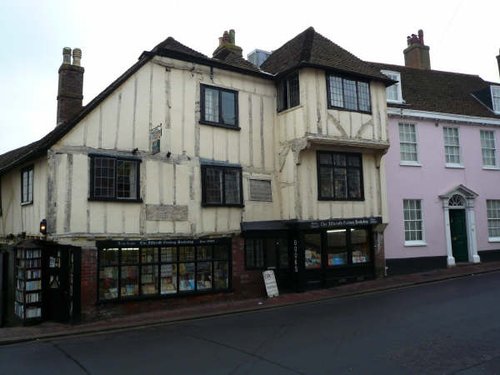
225 60
438 91
310 48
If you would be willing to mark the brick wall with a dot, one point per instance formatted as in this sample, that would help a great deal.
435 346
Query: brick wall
88 282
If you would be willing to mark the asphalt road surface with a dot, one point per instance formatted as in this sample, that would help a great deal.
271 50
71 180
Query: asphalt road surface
450 327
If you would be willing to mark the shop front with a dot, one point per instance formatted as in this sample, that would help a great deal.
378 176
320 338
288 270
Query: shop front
313 254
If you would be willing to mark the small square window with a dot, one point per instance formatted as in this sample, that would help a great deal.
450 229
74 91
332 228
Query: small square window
219 106
114 179
221 186
495 98
340 176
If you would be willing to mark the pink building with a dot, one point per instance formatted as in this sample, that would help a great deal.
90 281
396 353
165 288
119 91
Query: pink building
443 166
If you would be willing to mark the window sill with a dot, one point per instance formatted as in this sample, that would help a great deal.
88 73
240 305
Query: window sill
491 168
415 243
286 110
26 203
209 205
115 200
454 166
410 164
494 239
223 126
349 110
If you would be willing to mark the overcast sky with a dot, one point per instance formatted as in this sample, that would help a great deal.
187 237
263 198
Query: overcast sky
463 35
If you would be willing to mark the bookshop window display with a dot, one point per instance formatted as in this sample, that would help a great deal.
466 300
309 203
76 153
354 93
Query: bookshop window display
165 270
342 247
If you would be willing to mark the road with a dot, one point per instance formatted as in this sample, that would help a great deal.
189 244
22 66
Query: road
450 327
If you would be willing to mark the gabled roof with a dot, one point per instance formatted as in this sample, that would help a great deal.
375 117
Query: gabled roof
438 91
168 48
311 49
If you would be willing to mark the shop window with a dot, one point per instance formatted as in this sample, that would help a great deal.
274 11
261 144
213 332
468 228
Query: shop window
219 107
340 176
114 179
129 272
312 246
266 253
337 247
348 246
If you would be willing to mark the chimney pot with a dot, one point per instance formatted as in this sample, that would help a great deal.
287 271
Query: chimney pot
66 55
417 53
77 56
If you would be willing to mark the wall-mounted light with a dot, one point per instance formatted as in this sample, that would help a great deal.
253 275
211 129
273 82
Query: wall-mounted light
43 227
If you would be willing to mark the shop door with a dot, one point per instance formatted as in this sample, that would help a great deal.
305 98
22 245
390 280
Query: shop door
313 261
458 231
56 284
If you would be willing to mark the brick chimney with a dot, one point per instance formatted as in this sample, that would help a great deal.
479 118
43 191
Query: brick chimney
227 42
417 53
70 90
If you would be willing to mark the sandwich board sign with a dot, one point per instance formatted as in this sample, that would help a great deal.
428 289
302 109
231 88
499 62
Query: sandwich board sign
270 282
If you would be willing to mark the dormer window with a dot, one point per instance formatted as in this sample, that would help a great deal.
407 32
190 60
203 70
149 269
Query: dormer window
495 99
393 92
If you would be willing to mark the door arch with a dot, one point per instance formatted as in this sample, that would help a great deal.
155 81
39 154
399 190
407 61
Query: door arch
460 225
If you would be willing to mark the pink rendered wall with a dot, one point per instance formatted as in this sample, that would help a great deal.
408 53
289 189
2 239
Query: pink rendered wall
432 179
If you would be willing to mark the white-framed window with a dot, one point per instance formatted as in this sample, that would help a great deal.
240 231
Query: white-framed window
413 222
408 144
493 213
394 92
495 98
488 148
452 147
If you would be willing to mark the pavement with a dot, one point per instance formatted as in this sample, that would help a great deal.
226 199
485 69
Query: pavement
49 330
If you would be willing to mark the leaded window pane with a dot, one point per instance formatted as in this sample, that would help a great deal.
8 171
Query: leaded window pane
232 186
213 185
104 177
336 92
350 94
126 179
211 105
228 108
339 176
364 96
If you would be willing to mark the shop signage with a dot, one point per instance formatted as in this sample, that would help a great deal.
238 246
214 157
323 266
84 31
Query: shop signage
341 223
152 243
271 285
